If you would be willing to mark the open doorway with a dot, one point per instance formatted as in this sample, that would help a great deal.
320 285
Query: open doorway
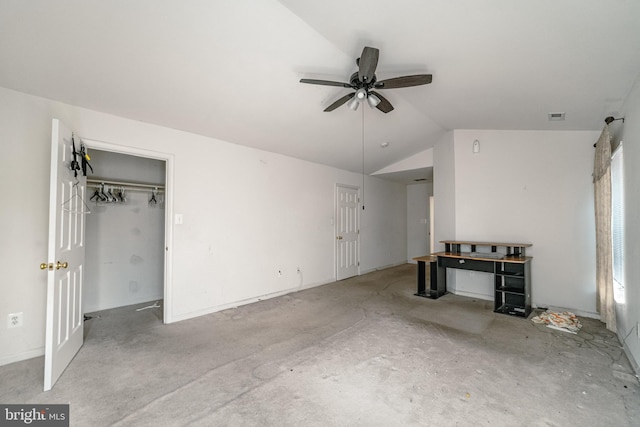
129 239
125 232
66 268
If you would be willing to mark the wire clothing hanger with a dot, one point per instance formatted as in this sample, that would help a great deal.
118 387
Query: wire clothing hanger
115 191
153 200
75 196
109 194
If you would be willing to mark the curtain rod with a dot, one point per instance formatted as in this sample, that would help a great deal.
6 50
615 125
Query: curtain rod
610 119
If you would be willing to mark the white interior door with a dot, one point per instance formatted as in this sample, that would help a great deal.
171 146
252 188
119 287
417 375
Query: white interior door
347 232
67 210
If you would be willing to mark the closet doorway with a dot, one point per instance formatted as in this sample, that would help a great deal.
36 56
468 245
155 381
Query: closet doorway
127 232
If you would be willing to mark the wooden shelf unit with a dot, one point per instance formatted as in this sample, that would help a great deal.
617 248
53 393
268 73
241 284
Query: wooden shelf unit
512 249
513 288
511 269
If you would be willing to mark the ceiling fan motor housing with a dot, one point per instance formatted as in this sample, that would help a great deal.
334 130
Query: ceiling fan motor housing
357 84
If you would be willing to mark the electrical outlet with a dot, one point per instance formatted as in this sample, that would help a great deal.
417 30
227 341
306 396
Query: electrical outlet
14 320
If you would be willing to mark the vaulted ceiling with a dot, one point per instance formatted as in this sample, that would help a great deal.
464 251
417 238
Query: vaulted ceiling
231 69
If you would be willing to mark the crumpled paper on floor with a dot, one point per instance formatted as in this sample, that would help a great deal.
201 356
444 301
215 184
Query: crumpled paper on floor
565 321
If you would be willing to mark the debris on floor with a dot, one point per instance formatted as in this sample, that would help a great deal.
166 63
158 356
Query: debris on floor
565 321
154 305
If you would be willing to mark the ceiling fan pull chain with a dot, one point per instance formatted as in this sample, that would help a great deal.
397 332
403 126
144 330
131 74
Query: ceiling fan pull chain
363 159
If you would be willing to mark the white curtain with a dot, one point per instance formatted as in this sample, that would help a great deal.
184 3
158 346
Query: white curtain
604 271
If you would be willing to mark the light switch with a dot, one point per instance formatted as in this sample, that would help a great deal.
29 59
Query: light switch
179 220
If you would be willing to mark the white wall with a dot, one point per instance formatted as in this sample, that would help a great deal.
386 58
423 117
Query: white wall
417 203
628 313
124 241
267 213
420 160
24 173
444 187
383 231
531 187
418 220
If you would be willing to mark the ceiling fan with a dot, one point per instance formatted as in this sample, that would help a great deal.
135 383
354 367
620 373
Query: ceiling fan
364 81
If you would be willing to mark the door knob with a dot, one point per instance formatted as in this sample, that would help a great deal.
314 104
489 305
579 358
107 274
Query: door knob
45 266
61 265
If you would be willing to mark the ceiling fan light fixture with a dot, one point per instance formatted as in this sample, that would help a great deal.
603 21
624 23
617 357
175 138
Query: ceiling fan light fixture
353 103
361 94
373 100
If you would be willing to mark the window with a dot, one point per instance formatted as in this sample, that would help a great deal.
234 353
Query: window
617 223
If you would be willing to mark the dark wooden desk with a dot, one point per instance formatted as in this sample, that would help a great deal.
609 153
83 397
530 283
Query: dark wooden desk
511 270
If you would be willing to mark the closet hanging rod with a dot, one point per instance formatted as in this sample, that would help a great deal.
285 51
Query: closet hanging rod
124 184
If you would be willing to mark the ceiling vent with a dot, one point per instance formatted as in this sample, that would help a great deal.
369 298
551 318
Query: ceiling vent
554 117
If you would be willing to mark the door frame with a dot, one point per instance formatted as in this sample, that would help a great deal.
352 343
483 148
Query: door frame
168 158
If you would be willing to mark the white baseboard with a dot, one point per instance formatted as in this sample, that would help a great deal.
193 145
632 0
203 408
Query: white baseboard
22 356
632 360
472 295
215 309
371 270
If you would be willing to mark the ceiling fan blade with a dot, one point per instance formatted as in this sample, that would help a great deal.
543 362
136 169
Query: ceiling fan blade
367 63
405 81
339 102
384 105
324 82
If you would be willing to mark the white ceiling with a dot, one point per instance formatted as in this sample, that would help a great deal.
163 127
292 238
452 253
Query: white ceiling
230 69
